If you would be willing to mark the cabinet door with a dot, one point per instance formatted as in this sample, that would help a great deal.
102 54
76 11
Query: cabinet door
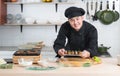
3 12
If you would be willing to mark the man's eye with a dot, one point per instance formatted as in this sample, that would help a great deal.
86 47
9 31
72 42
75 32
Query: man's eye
71 20
77 18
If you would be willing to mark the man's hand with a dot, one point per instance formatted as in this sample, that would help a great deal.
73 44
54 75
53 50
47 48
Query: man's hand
85 54
61 52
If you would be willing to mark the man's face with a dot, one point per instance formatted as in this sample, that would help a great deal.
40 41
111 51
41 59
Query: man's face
76 22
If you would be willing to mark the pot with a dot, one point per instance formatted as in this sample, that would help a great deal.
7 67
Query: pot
103 49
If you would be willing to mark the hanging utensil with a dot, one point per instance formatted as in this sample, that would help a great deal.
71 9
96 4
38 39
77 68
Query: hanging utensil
21 7
88 14
107 16
92 11
56 6
98 13
116 13
95 17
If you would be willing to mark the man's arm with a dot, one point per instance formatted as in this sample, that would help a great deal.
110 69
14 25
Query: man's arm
60 41
92 42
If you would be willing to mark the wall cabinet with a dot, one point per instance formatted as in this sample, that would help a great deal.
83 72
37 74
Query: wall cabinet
3 12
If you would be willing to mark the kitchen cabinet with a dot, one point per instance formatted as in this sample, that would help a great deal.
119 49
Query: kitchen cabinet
3 12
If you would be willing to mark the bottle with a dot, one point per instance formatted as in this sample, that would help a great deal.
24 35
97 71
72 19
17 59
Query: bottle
13 0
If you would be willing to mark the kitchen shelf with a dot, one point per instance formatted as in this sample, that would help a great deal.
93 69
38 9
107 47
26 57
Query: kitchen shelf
33 24
21 25
16 3
49 24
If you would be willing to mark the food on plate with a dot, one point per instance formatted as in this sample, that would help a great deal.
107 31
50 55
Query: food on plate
96 60
2 61
73 52
86 64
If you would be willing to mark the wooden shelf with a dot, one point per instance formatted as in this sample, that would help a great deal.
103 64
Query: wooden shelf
32 24
16 3
22 3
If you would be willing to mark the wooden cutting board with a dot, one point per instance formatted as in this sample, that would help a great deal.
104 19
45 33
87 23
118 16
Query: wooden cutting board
75 62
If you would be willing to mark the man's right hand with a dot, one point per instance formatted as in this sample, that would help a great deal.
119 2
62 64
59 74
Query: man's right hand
61 52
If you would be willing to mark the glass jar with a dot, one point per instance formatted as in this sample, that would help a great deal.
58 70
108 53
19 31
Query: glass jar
13 0
47 0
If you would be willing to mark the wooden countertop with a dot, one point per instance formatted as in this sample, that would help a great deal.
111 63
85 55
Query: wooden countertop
107 68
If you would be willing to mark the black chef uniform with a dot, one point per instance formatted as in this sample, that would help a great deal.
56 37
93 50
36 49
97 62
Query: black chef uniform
70 39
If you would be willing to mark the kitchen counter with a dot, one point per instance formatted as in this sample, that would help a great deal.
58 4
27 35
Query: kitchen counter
107 68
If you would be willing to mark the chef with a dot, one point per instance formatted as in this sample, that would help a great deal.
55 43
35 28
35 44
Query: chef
76 34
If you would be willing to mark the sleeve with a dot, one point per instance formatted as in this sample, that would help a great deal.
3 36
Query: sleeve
60 40
92 42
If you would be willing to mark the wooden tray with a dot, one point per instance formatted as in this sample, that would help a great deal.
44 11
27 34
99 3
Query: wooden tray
74 62
77 62
35 58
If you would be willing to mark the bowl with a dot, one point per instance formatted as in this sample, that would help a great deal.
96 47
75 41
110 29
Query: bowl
29 20
25 62
41 21
43 63
62 0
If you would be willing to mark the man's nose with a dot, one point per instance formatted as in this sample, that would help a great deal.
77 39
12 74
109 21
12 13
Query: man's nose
75 21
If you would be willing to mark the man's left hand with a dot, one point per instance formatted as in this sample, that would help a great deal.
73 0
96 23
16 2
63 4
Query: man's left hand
85 54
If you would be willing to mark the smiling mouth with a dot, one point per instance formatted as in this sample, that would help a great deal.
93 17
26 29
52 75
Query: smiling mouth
76 25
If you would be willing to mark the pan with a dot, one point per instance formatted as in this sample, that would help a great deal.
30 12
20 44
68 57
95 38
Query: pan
107 16
116 13
98 13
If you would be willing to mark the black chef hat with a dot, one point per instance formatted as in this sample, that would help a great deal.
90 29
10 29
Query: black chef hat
73 12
